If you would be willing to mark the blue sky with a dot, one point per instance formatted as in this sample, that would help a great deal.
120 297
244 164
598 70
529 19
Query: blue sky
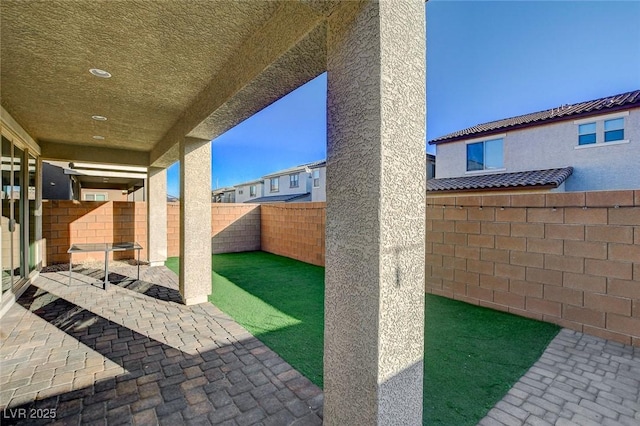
486 60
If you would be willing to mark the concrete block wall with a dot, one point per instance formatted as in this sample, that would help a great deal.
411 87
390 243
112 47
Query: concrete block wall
68 222
568 258
235 227
295 230
173 229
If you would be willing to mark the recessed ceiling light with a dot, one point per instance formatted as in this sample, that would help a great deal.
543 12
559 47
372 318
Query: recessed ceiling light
98 137
99 117
100 73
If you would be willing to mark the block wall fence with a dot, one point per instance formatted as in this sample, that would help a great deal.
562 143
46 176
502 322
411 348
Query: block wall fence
568 258
235 227
78 222
294 230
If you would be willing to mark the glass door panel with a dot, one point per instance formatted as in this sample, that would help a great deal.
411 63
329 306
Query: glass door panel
17 194
5 221
31 196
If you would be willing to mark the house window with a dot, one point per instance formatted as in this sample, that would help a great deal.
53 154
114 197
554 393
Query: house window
95 197
293 180
586 133
486 155
316 178
240 191
274 184
599 131
252 191
614 130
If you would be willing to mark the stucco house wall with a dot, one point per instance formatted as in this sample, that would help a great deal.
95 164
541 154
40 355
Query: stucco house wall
243 191
304 184
319 193
556 145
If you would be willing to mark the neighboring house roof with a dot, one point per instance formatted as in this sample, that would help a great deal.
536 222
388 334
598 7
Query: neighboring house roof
551 178
317 164
253 182
222 190
278 198
290 170
565 112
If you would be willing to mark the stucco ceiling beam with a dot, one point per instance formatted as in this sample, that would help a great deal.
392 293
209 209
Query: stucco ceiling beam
268 65
73 152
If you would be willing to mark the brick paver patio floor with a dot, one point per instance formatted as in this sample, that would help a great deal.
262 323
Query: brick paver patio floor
134 355
580 380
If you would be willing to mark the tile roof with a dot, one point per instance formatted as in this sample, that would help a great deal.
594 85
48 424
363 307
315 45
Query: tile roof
550 178
299 168
564 112
279 198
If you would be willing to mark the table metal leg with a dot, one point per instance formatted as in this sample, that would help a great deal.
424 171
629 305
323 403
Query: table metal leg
106 268
70 265
138 265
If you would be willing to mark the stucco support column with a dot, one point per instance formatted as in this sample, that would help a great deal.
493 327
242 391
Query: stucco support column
195 220
156 215
375 234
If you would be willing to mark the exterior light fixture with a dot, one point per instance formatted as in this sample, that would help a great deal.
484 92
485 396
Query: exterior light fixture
99 117
98 138
100 73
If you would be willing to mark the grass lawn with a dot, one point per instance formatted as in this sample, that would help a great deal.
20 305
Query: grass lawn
472 355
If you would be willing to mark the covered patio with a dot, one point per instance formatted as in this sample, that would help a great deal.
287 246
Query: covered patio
137 355
148 84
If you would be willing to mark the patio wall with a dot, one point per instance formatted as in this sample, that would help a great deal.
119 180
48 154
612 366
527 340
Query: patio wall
78 222
173 229
235 227
568 258
294 230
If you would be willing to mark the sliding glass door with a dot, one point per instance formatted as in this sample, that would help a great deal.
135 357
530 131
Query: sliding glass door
18 243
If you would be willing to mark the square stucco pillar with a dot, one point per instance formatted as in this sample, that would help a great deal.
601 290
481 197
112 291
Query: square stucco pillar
375 232
157 215
195 220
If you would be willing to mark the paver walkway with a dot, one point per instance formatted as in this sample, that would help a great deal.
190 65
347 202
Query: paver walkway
580 380
134 355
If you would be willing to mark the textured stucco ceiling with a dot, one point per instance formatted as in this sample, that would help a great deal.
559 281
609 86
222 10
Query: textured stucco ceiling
168 60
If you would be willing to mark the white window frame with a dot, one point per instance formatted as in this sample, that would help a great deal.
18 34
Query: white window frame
276 187
86 195
316 178
294 180
485 139
252 190
599 120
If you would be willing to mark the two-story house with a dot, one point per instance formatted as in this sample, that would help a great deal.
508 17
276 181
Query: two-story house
248 192
593 145
306 182
318 181
287 185
223 195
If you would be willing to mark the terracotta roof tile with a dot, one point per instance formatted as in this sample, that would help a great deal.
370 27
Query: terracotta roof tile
516 180
564 112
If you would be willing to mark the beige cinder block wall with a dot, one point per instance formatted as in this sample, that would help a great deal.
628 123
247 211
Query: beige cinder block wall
568 258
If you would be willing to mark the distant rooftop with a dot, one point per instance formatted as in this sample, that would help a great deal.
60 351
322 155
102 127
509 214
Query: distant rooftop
533 179
278 198
564 112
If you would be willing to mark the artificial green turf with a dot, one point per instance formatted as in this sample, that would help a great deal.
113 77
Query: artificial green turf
472 357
